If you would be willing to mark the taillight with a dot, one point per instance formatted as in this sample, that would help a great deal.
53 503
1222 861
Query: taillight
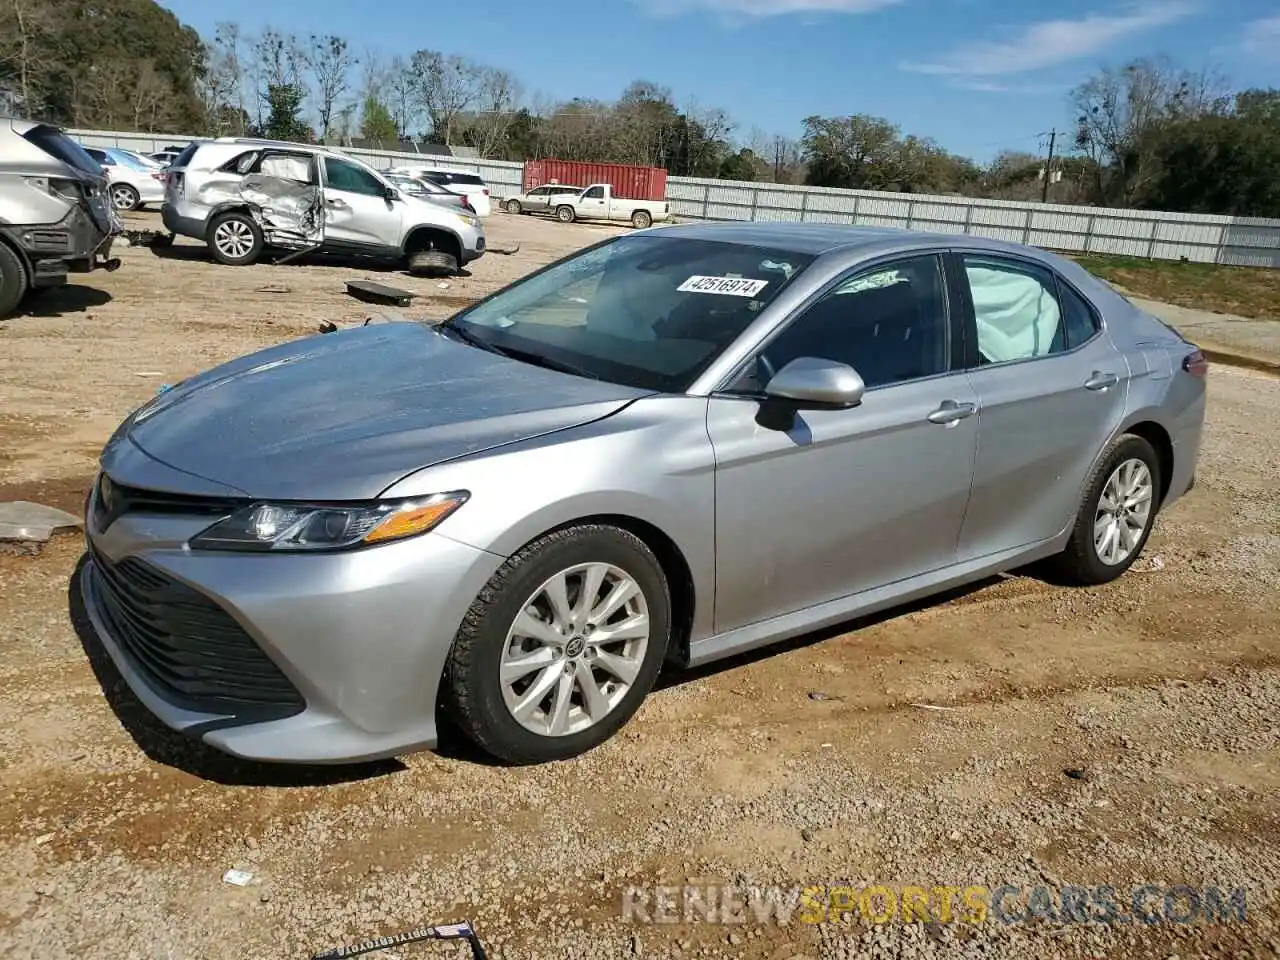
158 176
1195 364
485 192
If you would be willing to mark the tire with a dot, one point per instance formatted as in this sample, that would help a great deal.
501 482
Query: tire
566 214
642 219
513 207
125 197
237 224
1083 562
477 696
432 263
13 281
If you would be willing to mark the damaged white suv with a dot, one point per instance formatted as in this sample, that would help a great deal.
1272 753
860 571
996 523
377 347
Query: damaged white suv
242 196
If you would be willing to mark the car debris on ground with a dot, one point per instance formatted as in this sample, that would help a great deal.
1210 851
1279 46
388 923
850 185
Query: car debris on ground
464 931
370 291
25 527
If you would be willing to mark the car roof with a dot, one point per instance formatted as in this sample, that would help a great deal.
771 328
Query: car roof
816 239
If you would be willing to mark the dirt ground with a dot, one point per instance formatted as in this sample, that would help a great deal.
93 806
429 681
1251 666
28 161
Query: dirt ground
1123 736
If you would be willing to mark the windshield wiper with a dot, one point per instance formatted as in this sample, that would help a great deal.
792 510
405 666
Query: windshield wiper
466 336
515 353
538 360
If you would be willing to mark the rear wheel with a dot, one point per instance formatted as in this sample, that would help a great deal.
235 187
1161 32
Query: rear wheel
641 219
513 206
566 214
561 646
1115 519
235 239
13 281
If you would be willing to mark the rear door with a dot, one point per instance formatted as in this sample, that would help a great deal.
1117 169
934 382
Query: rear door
1051 391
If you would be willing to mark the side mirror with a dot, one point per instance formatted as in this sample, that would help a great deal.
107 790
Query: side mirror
813 382
392 193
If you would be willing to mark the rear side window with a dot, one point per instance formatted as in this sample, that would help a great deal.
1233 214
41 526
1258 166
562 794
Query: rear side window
61 147
184 158
1078 317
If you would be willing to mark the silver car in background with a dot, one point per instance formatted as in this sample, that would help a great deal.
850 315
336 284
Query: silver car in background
670 447
539 199
426 190
55 211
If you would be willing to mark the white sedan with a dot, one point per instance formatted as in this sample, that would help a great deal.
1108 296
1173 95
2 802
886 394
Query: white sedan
133 181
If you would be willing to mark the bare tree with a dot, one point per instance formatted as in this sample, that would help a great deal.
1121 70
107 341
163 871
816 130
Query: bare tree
497 99
1120 113
401 93
149 97
446 87
227 59
280 61
24 26
331 63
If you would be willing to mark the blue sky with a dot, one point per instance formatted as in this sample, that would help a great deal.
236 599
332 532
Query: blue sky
976 75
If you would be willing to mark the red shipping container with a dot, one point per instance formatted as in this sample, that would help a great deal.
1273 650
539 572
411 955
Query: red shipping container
628 182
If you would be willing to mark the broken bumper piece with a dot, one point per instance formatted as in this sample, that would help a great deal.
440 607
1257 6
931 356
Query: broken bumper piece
453 931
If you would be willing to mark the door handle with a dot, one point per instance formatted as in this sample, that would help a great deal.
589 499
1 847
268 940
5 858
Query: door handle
336 202
951 412
1101 381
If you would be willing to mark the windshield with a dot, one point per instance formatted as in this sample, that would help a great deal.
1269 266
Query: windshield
649 311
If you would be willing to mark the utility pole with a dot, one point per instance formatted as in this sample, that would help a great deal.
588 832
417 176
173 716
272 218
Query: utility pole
1048 166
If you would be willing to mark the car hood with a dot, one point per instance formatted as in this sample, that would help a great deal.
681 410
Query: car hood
344 415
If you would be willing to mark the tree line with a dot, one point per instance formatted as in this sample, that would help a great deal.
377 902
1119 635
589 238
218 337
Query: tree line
1145 135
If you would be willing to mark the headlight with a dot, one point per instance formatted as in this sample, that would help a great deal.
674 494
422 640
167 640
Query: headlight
472 222
291 526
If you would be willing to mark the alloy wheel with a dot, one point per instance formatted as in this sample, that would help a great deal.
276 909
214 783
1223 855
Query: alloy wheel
1123 512
122 198
233 238
575 649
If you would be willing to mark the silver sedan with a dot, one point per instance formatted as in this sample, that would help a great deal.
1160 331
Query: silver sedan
668 448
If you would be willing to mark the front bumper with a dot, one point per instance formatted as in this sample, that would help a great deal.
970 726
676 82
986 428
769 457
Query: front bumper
361 636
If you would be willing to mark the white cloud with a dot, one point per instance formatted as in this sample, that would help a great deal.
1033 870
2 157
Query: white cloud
762 8
1262 38
1051 42
988 86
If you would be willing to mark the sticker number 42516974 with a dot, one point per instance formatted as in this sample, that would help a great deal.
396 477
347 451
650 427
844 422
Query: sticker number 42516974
727 286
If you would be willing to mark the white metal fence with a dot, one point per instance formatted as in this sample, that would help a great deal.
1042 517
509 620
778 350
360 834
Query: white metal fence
1201 238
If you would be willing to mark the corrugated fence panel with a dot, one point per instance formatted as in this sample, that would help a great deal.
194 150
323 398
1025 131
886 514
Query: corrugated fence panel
1139 233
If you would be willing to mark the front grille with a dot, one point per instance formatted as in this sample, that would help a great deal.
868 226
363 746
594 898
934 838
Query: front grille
124 500
187 644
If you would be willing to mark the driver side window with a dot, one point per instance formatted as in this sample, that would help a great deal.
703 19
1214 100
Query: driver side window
595 193
340 175
888 322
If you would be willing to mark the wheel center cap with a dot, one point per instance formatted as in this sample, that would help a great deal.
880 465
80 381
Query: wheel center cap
575 646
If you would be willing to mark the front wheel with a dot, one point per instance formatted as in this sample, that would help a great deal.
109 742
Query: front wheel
566 214
235 239
513 206
561 646
1115 519
432 263
641 219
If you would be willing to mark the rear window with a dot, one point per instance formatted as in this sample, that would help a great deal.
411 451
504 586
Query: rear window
466 179
61 147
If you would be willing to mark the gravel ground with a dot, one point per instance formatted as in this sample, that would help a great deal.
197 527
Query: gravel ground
810 765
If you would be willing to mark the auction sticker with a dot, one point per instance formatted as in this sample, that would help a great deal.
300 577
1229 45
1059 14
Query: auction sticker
727 286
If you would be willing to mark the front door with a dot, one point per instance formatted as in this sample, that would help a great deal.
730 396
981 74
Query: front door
1051 391
593 205
356 209
823 504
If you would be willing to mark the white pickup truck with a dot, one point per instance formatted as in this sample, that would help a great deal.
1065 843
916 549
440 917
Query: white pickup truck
598 202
